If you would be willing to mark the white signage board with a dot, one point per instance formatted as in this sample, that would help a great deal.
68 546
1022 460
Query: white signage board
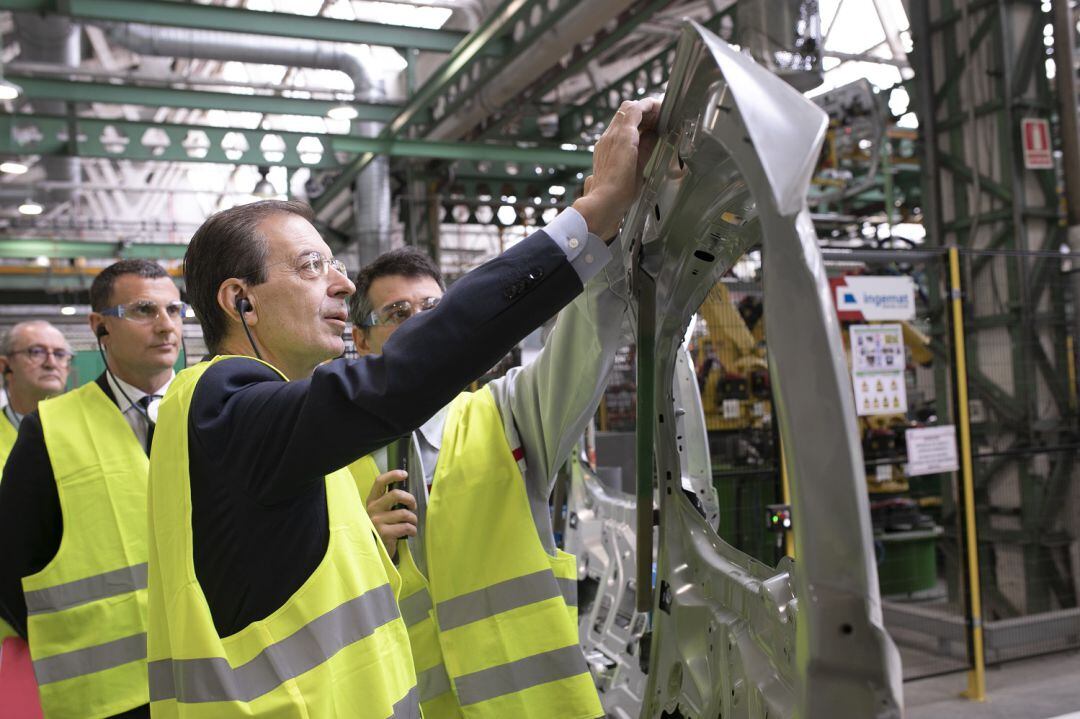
877 369
931 450
877 298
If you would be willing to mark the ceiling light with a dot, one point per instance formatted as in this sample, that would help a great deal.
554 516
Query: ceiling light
264 189
67 310
9 90
30 207
344 111
13 168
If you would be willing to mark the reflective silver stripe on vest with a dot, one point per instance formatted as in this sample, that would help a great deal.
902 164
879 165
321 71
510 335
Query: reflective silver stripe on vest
408 707
415 607
84 591
568 587
433 682
522 674
497 598
98 658
213 680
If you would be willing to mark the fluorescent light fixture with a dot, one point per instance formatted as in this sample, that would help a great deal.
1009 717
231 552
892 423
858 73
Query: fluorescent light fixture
14 168
67 310
9 90
30 207
344 111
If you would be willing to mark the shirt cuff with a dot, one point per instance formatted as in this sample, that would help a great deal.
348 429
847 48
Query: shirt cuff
587 253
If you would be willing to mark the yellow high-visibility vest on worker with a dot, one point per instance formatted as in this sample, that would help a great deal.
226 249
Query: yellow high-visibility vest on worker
7 440
493 625
8 434
336 648
86 610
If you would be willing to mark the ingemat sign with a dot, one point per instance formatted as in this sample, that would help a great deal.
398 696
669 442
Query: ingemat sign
869 297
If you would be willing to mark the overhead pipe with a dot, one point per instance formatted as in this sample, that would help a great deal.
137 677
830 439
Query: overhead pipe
55 40
371 196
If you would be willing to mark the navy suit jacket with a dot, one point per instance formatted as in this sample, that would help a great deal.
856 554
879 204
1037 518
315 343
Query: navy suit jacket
260 447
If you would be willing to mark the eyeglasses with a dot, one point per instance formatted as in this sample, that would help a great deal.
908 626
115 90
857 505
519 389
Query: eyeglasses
37 355
398 312
313 265
146 311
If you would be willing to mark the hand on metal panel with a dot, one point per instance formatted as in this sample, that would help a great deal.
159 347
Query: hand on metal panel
618 163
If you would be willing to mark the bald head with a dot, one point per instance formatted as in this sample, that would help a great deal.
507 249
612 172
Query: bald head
32 370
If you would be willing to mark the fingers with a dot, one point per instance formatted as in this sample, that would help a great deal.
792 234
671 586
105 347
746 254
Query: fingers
394 497
650 113
641 114
378 489
393 518
629 113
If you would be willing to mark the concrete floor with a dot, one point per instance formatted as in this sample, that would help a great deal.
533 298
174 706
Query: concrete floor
1045 687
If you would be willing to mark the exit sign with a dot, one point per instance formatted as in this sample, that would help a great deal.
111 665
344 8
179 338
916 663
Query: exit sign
1038 151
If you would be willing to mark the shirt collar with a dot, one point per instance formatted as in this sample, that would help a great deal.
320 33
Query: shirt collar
432 430
14 417
119 388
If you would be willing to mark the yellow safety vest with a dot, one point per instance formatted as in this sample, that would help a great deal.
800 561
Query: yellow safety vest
336 648
494 624
86 610
8 433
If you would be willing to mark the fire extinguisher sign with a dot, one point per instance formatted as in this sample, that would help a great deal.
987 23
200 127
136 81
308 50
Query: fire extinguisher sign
1038 150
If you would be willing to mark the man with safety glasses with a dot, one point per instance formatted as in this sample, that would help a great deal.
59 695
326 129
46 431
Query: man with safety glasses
73 505
484 562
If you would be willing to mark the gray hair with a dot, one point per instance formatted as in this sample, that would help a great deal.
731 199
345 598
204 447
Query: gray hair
7 341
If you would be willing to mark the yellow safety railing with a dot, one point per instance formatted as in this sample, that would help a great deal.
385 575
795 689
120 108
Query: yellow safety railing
977 676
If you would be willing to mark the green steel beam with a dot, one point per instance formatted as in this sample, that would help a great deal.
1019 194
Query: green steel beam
127 142
589 117
231 19
31 248
475 45
537 17
38 88
604 40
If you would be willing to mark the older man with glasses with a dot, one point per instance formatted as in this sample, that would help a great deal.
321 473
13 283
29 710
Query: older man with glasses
34 361
73 504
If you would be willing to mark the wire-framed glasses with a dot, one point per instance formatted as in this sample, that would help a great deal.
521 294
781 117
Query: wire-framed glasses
38 353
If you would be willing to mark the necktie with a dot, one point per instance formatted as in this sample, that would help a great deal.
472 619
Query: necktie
144 403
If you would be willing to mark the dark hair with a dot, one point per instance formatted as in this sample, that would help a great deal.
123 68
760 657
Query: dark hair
229 244
102 286
405 261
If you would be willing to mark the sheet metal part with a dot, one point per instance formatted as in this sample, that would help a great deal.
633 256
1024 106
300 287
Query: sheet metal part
730 636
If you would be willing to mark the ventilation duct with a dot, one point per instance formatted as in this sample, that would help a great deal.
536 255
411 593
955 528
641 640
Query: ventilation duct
57 41
371 198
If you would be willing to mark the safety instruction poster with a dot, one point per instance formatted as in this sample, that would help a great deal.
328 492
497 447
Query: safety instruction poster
931 450
877 369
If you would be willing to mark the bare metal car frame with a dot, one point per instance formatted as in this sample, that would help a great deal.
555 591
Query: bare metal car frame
677 622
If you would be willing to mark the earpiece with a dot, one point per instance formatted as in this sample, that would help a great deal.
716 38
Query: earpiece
243 305
101 331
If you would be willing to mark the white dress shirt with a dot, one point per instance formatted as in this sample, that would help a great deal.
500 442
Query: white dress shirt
132 414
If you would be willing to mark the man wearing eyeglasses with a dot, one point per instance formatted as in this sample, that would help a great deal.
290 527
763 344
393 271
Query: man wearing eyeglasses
270 592
480 472
73 505
35 358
